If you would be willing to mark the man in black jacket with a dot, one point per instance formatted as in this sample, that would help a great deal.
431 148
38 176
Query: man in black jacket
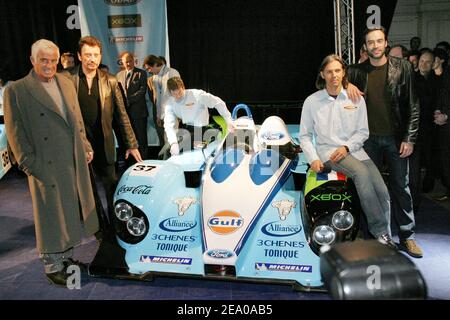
393 115
101 101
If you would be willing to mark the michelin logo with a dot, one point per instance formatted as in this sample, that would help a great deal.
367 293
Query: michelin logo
282 267
171 260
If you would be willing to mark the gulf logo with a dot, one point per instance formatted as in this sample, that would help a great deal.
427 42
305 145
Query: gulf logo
225 222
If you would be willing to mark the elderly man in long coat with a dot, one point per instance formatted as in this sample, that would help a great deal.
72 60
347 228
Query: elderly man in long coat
46 133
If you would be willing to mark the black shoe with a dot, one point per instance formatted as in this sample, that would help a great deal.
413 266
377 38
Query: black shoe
99 236
70 261
58 278
387 240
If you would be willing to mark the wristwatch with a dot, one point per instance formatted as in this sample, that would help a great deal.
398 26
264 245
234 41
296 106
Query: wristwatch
346 148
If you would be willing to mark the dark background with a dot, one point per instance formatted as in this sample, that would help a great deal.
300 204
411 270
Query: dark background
252 50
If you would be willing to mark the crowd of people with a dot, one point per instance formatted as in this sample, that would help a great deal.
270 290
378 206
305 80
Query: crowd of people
431 151
383 113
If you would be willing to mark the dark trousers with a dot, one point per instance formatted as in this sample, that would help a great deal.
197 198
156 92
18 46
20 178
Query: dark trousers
378 147
444 143
159 130
106 174
139 126
415 185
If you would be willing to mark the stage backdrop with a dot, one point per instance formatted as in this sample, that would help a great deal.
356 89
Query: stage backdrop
257 50
136 26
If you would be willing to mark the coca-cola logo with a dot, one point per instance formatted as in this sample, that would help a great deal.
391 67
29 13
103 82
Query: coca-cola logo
142 189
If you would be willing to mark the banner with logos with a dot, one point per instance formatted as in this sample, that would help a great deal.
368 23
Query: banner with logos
138 26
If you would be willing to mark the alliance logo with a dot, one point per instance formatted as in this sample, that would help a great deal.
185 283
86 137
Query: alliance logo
124 21
225 222
175 225
220 254
276 229
121 3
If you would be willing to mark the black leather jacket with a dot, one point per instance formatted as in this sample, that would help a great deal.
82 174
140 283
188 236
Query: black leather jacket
405 111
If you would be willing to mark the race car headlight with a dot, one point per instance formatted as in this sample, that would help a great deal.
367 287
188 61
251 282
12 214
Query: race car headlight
130 222
123 211
324 235
342 220
136 226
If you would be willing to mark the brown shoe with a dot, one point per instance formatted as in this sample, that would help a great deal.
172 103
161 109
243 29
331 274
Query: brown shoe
411 248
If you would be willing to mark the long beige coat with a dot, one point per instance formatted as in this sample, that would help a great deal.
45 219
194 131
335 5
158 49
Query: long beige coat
52 152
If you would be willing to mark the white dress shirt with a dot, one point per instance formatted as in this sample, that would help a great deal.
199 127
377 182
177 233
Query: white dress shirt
333 123
192 109
160 86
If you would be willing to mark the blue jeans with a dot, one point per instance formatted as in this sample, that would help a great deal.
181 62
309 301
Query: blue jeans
378 147
372 191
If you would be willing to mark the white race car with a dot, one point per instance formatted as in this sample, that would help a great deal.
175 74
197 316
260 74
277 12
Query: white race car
245 207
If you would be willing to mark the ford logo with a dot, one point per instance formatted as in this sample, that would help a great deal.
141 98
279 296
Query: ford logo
276 229
175 225
121 3
220 254
273 135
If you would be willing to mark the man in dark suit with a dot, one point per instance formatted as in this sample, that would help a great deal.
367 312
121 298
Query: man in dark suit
441 119
100 101
134 83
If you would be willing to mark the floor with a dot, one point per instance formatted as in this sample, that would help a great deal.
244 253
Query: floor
22 277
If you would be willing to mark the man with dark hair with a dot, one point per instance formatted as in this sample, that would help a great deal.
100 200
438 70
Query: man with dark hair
134 83
444 45
426 88
157 84
191 107
393 115
340 128
414 43
100 101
